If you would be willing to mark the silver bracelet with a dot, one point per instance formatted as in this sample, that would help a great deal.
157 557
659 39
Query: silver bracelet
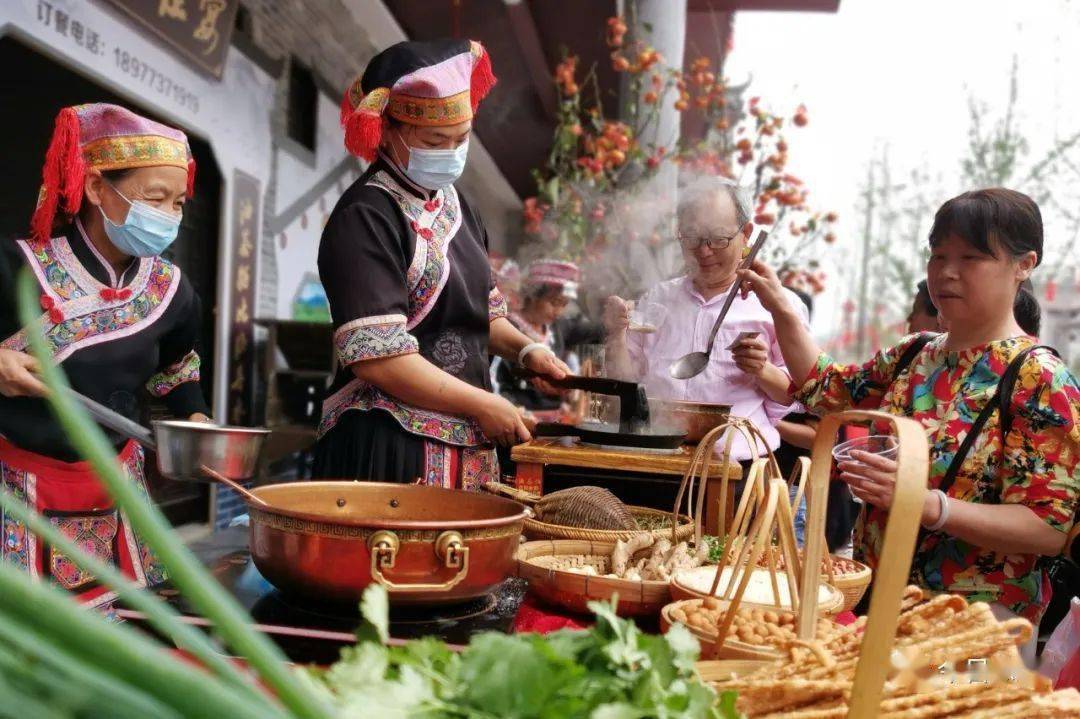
529 348
943 517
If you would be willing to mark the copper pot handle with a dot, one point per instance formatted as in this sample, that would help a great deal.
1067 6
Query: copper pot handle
449 547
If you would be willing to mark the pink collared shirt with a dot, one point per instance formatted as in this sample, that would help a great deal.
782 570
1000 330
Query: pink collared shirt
683 320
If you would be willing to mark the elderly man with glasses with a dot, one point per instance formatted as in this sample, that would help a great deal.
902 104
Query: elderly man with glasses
676 316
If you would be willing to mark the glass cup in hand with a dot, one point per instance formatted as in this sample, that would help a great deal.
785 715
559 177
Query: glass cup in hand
883 445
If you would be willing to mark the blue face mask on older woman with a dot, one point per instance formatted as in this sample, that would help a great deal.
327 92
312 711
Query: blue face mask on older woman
145 232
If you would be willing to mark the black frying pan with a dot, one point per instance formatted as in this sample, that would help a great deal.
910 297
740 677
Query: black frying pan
644 439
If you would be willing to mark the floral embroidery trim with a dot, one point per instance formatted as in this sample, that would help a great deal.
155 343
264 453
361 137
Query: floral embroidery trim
497 306
479 465
93 534
80 314
357 395
435 222
372 338
183 370
19 547
437 465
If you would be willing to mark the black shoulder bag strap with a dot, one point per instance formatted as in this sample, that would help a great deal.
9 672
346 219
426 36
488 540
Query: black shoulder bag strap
909 354
1000 402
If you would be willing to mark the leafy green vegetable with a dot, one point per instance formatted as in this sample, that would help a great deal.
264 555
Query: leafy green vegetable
610 671
715 546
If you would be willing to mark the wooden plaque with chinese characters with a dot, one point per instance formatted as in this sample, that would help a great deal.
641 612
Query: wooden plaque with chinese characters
246 194
198 30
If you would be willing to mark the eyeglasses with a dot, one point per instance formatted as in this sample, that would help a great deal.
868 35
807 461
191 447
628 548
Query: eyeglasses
693 242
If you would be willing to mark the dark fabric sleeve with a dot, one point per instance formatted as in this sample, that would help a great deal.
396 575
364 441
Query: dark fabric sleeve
177 379
11 265
364 268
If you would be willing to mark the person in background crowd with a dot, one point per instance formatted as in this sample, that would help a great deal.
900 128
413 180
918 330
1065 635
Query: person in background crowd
1015 492
923 316
415 308
1027 310
748 374
548 288
119 319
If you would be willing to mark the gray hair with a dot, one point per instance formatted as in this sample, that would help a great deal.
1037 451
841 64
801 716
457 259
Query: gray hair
701 189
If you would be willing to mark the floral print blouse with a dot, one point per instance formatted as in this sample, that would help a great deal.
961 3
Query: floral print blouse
1037 464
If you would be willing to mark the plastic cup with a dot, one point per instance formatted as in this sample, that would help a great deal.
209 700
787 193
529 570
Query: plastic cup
883 445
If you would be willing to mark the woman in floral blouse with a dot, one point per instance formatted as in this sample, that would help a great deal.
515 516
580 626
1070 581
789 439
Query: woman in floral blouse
1013 500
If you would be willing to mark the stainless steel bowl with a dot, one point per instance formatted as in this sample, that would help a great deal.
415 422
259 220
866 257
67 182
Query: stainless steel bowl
184 447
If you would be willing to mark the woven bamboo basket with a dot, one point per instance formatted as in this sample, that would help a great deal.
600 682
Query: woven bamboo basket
828 607
714 670
852 585
544 564
711 647
536 530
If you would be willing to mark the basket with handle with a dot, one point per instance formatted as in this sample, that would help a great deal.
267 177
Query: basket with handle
772 523
894 566
874 660
852 585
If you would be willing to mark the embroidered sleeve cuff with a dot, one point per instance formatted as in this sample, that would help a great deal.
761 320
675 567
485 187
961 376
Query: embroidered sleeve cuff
176 374
373 338
497 306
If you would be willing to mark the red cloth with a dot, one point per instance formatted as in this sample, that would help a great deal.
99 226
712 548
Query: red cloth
78 505
535 617
845 618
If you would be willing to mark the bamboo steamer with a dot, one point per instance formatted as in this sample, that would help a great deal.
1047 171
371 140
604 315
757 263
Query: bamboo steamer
544 563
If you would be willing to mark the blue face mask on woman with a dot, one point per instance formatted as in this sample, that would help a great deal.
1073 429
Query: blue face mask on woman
146 231
435 169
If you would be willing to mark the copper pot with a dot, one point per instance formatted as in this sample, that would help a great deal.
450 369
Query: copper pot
426 545
693 418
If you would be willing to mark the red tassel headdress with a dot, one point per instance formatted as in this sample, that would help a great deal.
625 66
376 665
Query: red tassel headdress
101 136
432 84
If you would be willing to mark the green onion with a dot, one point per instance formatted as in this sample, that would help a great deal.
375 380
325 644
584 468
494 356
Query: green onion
197 585
120 650
160 615
124 702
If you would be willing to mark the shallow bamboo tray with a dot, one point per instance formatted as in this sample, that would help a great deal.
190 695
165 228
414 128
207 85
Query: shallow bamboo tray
535 529
716 670
733 648
539 561
831 607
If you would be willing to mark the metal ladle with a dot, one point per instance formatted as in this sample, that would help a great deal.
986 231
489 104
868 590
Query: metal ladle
135 431
694 363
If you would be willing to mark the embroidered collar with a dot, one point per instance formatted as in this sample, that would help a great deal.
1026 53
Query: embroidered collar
92 259
535 333
387 164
